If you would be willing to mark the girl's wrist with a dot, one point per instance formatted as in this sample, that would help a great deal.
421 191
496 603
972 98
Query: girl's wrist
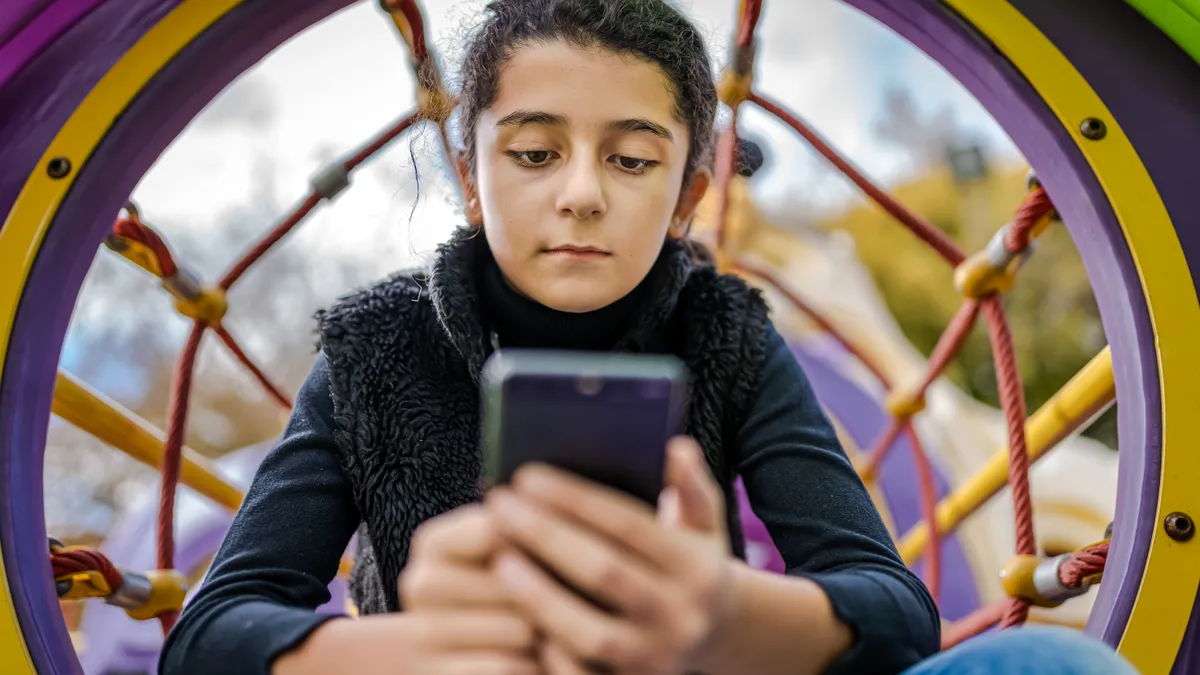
773 623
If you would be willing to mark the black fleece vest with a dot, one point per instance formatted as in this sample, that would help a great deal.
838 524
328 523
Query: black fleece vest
404 364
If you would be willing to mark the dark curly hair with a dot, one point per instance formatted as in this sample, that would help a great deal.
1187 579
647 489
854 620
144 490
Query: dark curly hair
652 30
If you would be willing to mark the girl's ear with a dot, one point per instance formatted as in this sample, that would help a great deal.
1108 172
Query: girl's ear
689 198
474 211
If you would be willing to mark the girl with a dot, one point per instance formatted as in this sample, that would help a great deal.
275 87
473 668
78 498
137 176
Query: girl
588 128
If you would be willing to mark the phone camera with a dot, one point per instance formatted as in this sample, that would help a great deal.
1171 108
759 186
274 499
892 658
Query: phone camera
589 385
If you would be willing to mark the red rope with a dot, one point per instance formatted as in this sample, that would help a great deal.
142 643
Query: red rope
1036 206
74 561
723 173
751 10
172 454
944 351
1083 564
1012 400
928 498
931 235
383 139
275 392
260 249
412 12
974 623
817 318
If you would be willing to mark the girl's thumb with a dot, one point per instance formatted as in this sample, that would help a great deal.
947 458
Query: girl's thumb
699 502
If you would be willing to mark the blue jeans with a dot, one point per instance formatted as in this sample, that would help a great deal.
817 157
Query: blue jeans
1040 650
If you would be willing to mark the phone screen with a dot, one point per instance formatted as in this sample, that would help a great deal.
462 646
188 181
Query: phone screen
607 418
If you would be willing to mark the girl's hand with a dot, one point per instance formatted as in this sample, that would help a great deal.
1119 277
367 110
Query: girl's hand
428 643
449 561
459 617
664 586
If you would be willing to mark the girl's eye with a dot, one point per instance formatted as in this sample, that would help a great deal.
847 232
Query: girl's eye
633 164
532 158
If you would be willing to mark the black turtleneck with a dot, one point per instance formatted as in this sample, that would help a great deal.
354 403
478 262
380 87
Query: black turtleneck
520 321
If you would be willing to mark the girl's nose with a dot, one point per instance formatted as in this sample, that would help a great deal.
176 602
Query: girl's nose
582 195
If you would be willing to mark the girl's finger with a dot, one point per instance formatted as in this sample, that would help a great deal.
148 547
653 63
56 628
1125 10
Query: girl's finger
483 663
668 507
589 634
555 660
617 516
466 534
448 585
592 565
701 503
475 630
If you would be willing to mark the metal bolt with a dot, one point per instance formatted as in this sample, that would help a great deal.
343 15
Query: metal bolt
1179 526
1093 128
58 167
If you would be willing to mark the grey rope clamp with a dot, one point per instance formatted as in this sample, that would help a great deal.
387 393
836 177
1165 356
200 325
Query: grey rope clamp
1048 584
998 254
331 180
184 285
134 592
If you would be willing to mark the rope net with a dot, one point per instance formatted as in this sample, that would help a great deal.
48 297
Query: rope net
982 278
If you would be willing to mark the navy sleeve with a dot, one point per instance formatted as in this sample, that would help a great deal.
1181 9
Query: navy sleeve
273 569
821 518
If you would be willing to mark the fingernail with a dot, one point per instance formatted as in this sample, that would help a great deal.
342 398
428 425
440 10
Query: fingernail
510 508
535 478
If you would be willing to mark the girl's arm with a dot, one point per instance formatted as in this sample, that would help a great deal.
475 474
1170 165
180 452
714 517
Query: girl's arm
279 556
848 602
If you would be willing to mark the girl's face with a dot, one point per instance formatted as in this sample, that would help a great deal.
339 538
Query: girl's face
578 174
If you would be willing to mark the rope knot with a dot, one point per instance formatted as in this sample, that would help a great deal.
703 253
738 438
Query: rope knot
435 104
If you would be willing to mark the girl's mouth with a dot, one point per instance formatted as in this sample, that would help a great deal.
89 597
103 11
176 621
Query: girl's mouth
573 251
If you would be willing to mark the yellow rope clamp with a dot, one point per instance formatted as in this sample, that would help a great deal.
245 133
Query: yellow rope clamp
136 252
993 270
206 304
903 404
733 88
83 585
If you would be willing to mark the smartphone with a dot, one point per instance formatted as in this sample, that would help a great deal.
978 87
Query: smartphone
604 416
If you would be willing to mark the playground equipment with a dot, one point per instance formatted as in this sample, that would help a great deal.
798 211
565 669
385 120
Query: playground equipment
1073 489
1107 130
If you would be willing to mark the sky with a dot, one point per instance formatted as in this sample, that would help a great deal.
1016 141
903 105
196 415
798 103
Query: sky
330 88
